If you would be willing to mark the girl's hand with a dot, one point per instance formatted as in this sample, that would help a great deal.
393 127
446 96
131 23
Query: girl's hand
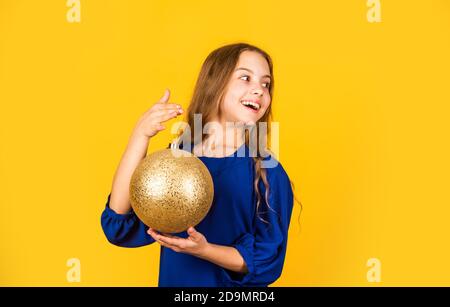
194 245
149 123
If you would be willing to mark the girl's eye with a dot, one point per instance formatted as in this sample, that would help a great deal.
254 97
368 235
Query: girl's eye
247 78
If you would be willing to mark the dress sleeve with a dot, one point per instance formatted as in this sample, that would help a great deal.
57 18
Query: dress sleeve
125 230
264 250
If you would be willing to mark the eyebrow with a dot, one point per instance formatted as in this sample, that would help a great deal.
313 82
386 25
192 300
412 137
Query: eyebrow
249 70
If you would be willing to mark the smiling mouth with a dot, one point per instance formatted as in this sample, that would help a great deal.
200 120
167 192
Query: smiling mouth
251 105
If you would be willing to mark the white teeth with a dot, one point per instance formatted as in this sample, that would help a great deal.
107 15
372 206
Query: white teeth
250 103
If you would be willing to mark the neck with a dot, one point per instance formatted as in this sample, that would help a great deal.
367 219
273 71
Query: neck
222 139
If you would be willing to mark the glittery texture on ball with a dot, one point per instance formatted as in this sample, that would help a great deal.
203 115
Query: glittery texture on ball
170 192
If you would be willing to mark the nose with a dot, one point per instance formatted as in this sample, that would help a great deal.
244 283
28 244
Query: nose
257 91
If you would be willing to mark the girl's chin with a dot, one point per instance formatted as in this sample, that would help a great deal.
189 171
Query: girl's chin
246 120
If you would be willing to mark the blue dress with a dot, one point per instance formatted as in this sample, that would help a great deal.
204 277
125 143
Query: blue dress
231 221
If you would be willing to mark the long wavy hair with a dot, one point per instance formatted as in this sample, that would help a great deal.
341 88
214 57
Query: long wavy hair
209 93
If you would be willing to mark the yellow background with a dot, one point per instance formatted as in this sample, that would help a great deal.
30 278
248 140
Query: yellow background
364 123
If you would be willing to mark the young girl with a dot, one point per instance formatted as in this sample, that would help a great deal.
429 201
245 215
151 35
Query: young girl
242 240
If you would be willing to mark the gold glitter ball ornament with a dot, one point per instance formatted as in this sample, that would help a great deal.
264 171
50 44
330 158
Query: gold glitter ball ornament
171 190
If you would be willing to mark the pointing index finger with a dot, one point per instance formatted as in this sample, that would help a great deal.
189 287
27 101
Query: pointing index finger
165 97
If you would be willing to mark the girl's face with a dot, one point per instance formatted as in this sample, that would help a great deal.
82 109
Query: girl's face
247 96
